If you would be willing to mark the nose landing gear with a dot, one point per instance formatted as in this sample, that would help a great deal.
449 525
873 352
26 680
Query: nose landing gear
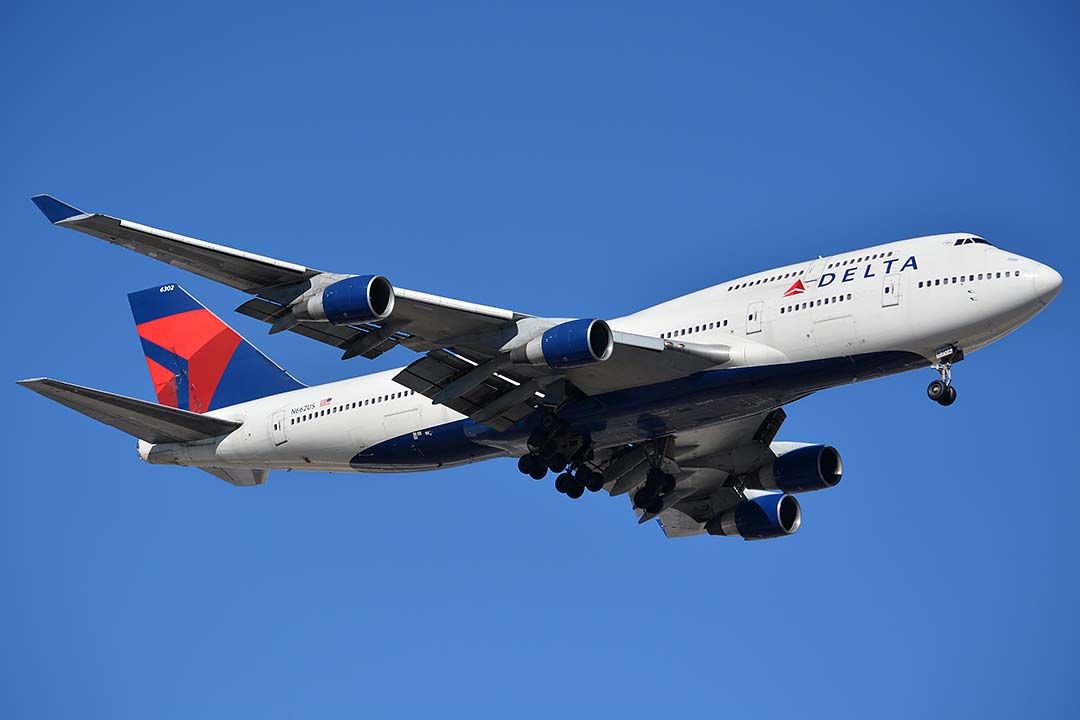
942 391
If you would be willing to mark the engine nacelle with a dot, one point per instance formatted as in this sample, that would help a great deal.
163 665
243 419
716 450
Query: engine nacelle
760 518
568 345
360 299
806 468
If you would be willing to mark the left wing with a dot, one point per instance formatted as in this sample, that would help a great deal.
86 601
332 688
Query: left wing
420 321
476 360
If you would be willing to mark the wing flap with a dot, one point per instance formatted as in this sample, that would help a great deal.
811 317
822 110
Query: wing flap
498 400
145 420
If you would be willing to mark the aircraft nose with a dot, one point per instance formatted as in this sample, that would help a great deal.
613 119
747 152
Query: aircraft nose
1047 283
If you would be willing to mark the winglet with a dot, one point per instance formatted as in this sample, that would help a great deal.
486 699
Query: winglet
55 210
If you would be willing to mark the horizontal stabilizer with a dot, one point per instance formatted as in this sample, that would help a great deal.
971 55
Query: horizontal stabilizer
241 477
145 420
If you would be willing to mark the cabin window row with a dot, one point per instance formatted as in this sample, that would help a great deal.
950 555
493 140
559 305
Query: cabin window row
762 281
967 278
349 406
864 258
784 309
695 329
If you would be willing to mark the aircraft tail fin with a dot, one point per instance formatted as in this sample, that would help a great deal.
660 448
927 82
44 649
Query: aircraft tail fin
196 361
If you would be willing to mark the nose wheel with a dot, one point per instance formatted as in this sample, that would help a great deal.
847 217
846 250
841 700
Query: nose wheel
942 391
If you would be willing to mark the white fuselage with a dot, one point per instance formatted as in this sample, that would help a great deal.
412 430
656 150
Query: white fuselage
914 296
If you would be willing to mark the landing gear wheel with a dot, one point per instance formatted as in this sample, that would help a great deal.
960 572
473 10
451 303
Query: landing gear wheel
525 464
537 470
564 482
557 462
643 497
949 398
594 482
655 505
667 483
575 491
937 390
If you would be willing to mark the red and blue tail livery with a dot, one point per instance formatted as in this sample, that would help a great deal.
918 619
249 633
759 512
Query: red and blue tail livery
196 361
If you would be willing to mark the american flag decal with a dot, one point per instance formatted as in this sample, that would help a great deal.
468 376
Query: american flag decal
324 403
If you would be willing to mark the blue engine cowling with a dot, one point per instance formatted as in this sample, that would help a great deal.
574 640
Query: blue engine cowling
360 299
760 518
806 468
568 345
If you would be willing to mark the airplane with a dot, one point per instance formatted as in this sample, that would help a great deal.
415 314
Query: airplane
677 406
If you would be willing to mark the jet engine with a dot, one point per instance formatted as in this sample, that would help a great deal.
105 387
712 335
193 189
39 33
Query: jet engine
805 468
359 299
568 345
760 518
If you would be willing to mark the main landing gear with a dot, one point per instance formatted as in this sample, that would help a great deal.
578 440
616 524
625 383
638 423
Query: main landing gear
942 391
573 479
552 447
650 496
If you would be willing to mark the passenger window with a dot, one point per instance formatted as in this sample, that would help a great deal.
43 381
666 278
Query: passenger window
980 276
999 276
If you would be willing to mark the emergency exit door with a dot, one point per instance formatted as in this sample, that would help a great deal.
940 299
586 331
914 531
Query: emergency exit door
890 291
753 317
277 428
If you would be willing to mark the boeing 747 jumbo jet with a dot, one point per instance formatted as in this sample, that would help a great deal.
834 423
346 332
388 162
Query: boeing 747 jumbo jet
677 405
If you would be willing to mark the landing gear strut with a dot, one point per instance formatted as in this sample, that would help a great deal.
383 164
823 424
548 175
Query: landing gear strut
942 391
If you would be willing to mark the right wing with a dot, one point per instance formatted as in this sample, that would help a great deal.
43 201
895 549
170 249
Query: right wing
145 420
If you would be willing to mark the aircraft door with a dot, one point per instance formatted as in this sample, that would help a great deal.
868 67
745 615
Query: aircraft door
813 272
753 317
277 428
890 290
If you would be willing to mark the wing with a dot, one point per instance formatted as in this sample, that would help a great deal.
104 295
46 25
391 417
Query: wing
421 321
467 365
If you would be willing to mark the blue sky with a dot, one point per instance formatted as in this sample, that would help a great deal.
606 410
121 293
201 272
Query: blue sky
563 159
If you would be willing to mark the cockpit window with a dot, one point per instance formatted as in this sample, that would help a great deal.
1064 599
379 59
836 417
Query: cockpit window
970 240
